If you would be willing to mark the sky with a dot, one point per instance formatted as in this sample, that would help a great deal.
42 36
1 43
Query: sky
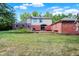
54 8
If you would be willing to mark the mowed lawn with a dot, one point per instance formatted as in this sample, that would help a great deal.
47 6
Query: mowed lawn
38 44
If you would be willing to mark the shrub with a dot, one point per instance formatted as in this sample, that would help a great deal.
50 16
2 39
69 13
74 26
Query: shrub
23 30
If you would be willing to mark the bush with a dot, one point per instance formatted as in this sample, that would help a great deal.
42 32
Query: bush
23 30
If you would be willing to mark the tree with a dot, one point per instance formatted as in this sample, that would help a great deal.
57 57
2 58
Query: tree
35 13
7 17
55 18
77 16
47 14
58 17
70 15
24 16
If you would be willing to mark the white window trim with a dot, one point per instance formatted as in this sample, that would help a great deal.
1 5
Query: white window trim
77 26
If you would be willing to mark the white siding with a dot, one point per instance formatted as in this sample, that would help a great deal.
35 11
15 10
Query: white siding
28 20
44 21
35 21
47 21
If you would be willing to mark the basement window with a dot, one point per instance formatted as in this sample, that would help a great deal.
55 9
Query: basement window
55 30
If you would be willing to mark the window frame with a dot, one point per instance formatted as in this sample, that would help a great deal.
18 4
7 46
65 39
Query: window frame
77 26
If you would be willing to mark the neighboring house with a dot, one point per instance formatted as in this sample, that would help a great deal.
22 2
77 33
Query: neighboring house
36 24
66 26
22 25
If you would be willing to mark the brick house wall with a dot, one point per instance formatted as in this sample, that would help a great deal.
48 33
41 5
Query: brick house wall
36 27
57 27
68 27
48 28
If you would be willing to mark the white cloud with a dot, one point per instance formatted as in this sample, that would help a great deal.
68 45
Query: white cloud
55 7
73 11
34 4
15 7
37 4
24 6
20 7
27 4
58 10
56 13
67 11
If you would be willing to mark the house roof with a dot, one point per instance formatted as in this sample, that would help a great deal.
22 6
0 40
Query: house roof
66 19
69 19
40 17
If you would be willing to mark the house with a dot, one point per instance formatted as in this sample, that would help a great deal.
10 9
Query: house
40 23
36 24
66 26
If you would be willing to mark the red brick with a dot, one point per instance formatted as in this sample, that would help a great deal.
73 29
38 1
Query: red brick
37 27
48 28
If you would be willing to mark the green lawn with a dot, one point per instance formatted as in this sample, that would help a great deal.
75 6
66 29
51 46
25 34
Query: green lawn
36 44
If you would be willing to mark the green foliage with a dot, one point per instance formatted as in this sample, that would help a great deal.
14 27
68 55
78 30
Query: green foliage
77 16
21 30
55 18
24 16
70 15
35 13
7 16
58 17
47 14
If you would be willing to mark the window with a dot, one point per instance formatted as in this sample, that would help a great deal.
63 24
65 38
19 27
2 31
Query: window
40 20
77 28
22 25
34 20
16 25
33 29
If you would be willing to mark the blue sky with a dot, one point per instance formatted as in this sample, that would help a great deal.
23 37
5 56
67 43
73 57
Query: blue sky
54 8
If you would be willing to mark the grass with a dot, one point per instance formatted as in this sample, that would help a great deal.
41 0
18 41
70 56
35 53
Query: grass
38 44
